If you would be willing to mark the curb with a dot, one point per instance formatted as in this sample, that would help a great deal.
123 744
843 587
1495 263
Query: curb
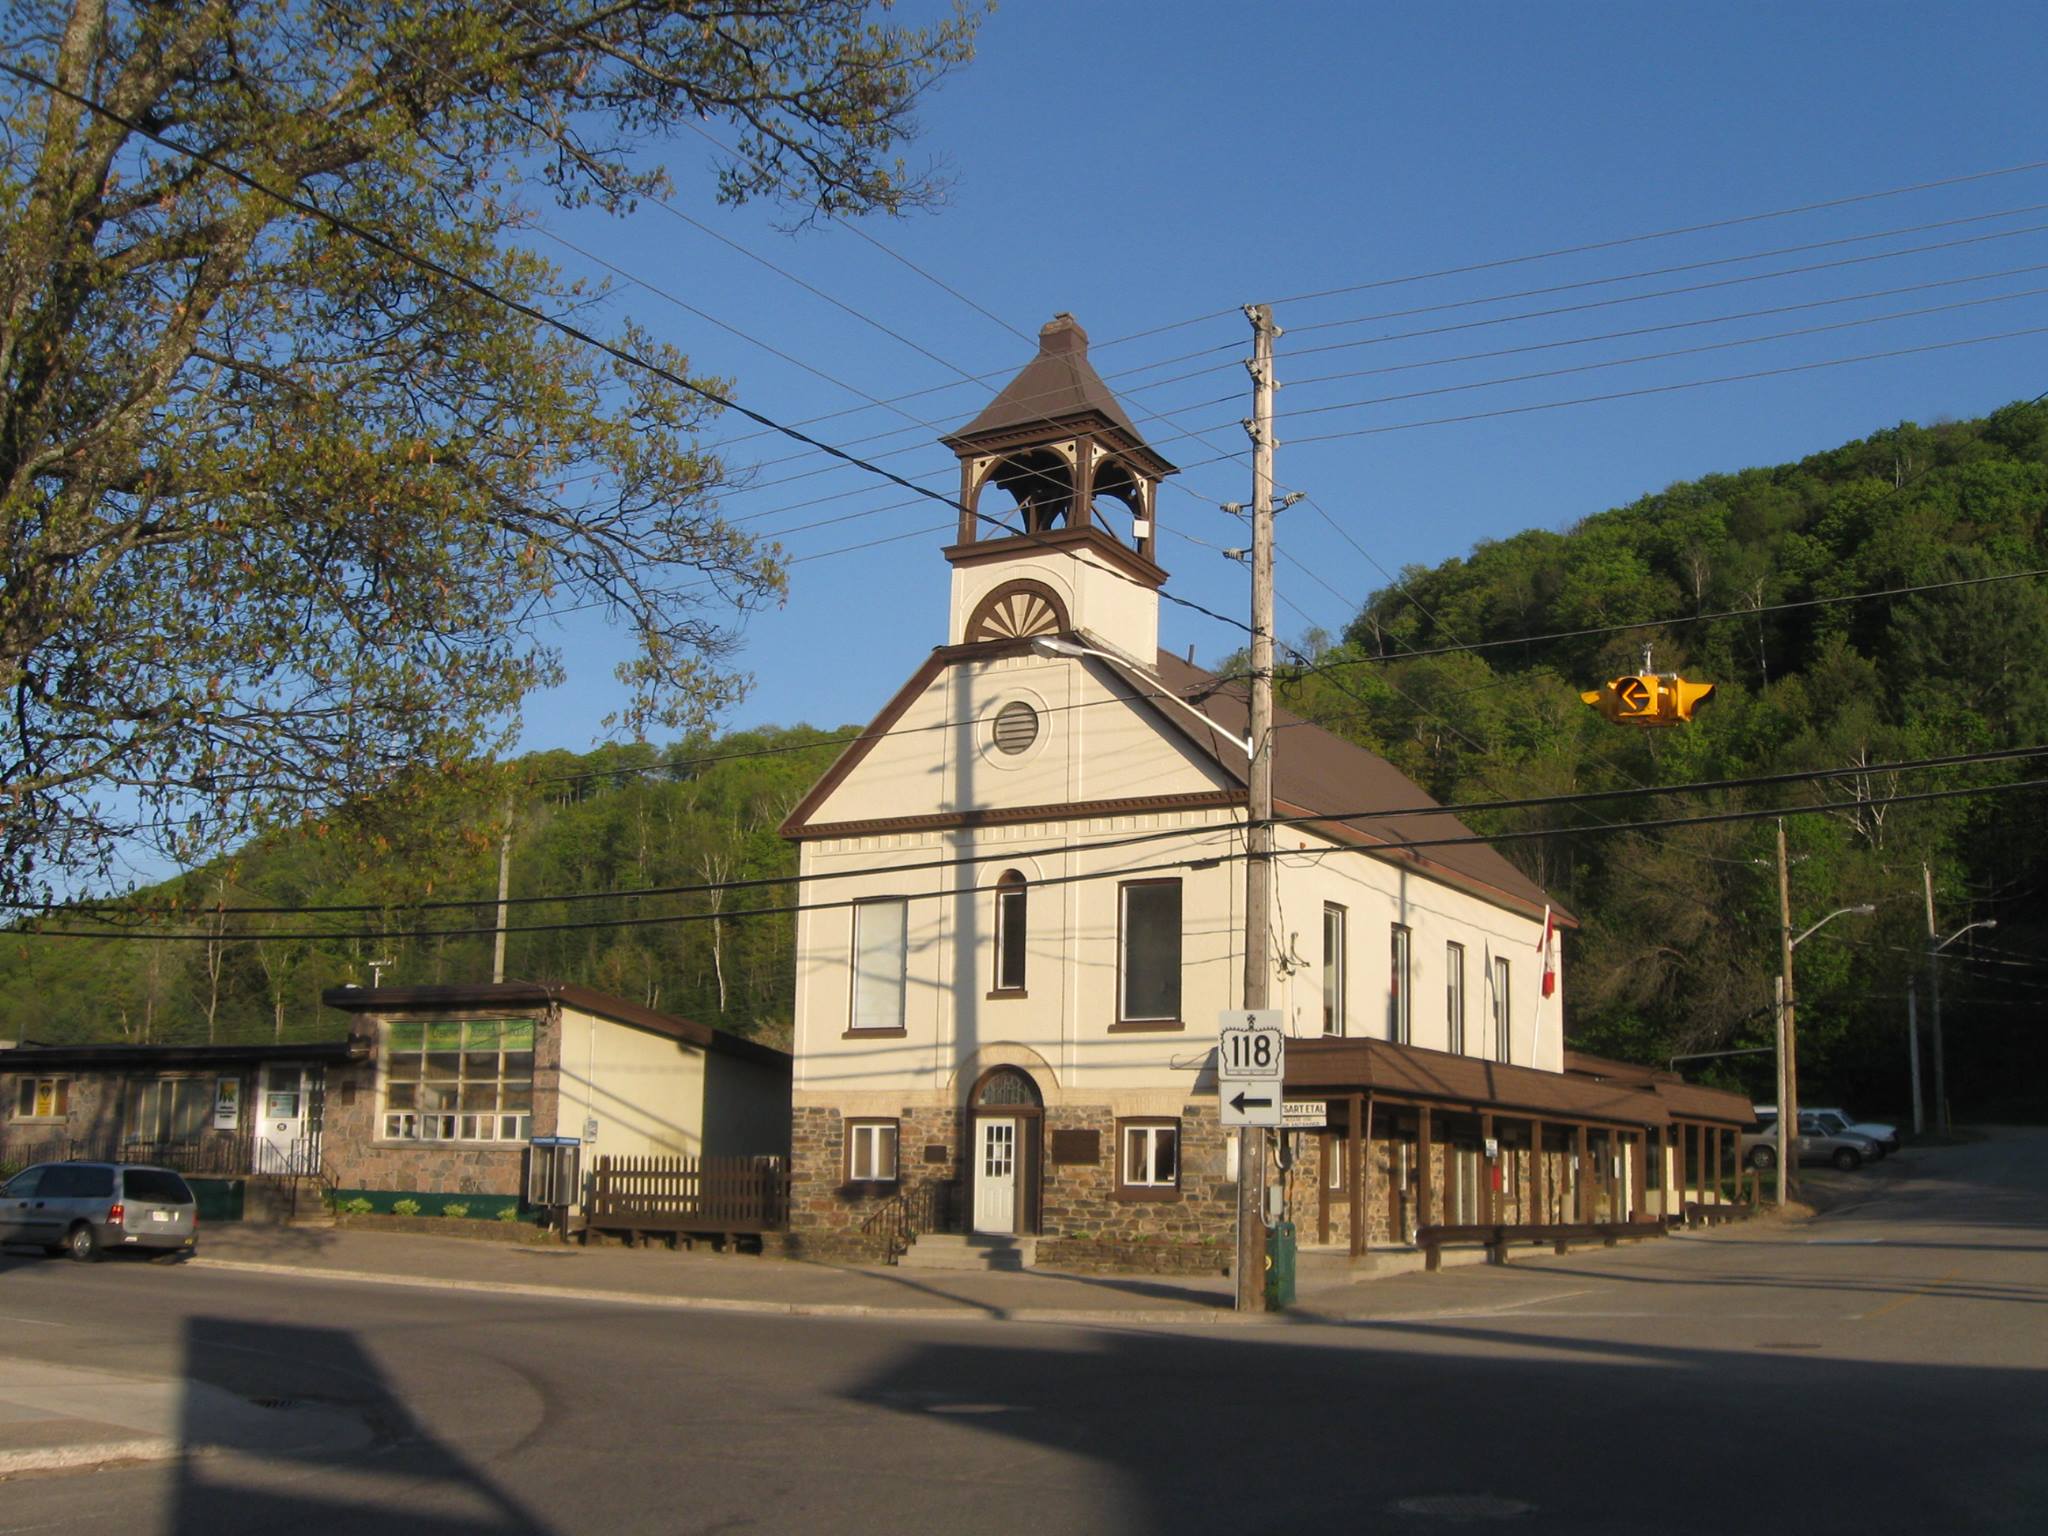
59 1458
956 1312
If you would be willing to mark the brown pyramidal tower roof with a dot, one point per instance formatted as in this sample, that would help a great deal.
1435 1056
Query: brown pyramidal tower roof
1056 386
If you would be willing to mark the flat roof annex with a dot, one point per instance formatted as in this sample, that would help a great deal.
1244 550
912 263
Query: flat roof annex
473 996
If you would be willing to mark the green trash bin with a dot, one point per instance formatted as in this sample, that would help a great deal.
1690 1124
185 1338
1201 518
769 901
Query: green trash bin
1279 1266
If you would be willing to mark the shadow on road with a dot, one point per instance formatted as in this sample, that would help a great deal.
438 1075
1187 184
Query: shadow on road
296 1491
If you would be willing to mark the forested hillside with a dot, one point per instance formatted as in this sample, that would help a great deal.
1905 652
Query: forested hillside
1679 939
1679 944
699 813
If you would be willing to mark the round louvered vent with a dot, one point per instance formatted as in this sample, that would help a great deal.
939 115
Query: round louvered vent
1016 727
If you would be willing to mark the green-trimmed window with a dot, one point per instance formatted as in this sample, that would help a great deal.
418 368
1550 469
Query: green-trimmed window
458 1080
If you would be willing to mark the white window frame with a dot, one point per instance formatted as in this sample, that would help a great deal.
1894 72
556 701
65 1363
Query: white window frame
35 1090
1013 910
865 1143
1336 971
1400 983
1454 997
1136 1167
1503 1013
871 1005
503 1121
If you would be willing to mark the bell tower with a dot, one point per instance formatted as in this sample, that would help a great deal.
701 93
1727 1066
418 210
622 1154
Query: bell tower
1059 522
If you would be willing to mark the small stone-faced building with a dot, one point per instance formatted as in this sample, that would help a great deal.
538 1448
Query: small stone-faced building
1025 908
435 1091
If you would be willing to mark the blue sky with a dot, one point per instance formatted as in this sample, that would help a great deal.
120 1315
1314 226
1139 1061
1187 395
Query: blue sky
1145 165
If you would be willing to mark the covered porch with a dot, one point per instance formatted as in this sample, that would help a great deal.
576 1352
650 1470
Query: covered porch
1418 1149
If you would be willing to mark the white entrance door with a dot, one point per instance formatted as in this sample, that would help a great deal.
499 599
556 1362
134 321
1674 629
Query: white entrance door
995 1176
281 1120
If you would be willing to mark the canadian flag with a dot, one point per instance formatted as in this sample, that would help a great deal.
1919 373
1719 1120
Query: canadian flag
1548 949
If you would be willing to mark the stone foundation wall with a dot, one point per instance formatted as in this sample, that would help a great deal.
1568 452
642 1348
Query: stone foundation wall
1078 1200
1099 1256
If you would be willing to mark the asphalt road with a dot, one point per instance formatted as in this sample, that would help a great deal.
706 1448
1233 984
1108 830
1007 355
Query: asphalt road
1879 1370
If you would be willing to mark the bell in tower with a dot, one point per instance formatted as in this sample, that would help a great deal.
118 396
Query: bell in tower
1058 514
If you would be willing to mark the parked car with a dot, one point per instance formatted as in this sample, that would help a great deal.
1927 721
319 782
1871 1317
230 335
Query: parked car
1886 1136
1817 1143
87 1209
1837 1119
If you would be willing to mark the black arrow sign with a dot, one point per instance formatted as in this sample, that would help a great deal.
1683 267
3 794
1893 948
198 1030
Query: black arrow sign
1241 1103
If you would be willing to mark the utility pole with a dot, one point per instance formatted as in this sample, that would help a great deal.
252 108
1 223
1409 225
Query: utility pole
1258 866
504 892
1934 982
1913 1055
1788 1101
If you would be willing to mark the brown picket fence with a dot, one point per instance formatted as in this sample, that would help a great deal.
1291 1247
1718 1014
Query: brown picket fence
688 1194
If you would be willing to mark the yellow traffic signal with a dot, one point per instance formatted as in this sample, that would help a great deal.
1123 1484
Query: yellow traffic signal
1649 698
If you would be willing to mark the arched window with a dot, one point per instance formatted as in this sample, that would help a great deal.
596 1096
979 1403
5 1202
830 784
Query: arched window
1006 1088
1011 930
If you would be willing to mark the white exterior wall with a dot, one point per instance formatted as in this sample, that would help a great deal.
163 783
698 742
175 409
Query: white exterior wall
1094 747
1376 894
644 1090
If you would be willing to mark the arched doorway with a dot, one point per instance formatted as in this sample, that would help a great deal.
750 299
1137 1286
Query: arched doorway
1005 1117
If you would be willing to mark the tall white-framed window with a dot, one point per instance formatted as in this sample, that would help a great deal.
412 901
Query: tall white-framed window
1503 1015
43 1098
1011 931
871 1151
458 1080
1334 978
881 953
1149 952
1454 998
1398 1019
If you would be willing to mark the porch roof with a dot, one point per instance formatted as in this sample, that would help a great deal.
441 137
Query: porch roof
1409 1071
79 1058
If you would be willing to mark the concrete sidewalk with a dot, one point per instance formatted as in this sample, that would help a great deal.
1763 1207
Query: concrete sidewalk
56 1416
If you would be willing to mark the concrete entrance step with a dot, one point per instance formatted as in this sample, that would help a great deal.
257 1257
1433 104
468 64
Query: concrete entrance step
978 1250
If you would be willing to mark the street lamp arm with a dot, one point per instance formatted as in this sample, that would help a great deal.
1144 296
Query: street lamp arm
1861 911
1986 922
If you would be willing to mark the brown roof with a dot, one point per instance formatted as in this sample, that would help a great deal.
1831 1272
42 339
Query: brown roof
1695 1101
536 994
1410 1071
1058 384
1316 771
1588 1065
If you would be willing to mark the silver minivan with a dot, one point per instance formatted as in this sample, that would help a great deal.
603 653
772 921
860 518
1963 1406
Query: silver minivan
87 1209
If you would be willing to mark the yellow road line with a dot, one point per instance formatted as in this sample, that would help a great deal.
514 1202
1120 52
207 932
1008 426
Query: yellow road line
1894 1305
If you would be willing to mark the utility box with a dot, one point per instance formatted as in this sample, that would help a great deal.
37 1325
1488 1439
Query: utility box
1279 1266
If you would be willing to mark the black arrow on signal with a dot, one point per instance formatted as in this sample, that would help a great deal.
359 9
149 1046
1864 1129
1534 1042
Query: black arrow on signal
1241 1103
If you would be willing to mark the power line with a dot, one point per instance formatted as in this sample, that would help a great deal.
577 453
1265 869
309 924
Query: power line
1660 389
1198 861
1307 819
531 312
1666 234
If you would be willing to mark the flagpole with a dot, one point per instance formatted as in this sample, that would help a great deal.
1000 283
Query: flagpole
1543 974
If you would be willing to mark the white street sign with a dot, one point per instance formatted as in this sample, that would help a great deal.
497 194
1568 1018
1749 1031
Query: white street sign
1248 1103
1251 1044
1251 1057
1305 1114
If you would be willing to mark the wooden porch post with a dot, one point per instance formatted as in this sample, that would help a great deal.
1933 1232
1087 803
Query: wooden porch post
1489 1207
1361 1170
1678 1138
1425 1215
1580 1205
1538 1194
1639 1174
1329 1157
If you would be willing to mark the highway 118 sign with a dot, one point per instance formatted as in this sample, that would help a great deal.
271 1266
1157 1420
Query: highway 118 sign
1250 1062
